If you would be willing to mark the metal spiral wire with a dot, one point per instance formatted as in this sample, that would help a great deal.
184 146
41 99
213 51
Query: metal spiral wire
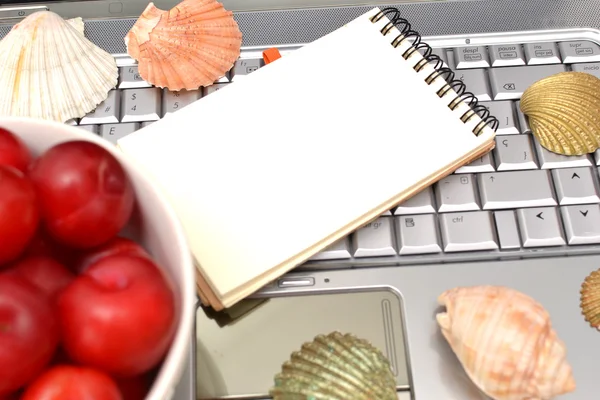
463 96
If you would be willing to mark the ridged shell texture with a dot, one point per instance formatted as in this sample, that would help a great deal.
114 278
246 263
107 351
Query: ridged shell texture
51 71
336 367
590 299
564 112
192 45
505 343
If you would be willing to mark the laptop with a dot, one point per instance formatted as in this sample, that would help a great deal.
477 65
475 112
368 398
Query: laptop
520 216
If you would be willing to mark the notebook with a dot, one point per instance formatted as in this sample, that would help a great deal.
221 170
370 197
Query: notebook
271 169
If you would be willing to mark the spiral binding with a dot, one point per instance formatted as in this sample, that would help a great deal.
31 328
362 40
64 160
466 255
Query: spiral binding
463 96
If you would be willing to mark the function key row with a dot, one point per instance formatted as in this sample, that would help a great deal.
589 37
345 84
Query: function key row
505 55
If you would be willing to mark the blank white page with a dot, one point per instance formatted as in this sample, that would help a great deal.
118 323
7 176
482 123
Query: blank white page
269 166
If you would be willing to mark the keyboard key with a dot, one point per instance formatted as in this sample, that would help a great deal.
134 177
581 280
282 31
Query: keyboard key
336 251
140 105
456 193
374 239
515 189
540 227
90 128
505 55
590 68
508 231
440 52
476 81
505 112
541 53
245 66
224 78
510 82
106 112
514 152
114 132
418 234
579 51
173 101
71 122
597 157
550 160
129 78
471 57
146 123
522 118
582 223
575 186
468 231
420 203
213 88
481 164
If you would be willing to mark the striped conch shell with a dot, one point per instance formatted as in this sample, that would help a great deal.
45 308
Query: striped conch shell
505 343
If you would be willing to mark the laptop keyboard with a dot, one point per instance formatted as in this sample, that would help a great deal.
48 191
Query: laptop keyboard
519 200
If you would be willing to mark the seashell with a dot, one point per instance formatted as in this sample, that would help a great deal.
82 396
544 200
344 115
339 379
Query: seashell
336 367
192 45
590 299
51 71
564 112
505 343
78 24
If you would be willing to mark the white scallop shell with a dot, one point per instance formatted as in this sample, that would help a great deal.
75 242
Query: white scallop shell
51 71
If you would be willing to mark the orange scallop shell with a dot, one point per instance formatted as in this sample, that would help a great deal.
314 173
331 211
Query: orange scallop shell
192 45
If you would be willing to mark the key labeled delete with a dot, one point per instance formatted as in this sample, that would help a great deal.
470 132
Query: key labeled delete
510 82
577 51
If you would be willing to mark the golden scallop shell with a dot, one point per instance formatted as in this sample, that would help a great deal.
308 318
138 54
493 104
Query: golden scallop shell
590 299
336 367
505 342
564 112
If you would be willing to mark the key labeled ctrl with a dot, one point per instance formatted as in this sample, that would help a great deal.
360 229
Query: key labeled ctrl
468 231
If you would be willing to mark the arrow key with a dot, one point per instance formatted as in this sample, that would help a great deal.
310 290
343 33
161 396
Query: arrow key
540 227
575 186
582 223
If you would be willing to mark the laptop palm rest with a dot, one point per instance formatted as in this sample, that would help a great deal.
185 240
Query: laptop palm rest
238 354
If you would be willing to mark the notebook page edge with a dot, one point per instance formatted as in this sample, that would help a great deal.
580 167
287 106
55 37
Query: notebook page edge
258 282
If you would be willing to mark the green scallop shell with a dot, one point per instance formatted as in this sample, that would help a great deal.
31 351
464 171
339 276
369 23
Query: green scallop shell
336 367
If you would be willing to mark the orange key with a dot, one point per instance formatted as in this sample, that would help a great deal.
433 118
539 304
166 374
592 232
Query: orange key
270 55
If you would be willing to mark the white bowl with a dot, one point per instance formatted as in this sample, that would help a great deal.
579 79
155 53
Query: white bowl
154 225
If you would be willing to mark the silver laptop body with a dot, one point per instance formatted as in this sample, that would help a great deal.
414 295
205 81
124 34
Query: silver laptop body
521 217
